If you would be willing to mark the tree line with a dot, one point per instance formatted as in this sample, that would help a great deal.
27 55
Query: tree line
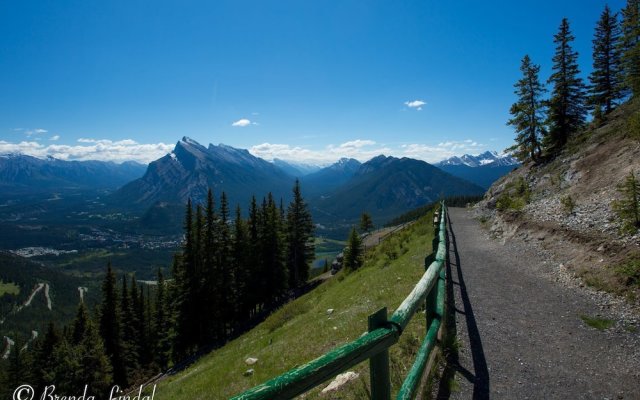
544 125
229 271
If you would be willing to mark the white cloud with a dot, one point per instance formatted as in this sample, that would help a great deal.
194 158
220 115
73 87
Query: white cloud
54 138
417 104
31 132
92 149
359 149
242 123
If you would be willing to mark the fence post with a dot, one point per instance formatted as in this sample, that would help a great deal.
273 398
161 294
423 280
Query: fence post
379 364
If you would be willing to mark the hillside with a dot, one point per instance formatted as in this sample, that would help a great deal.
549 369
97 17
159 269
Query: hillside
565 207
44 295
283 340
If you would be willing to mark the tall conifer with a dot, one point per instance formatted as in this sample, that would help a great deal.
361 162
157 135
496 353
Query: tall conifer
566 107
606 87
528 113
630 46
300 246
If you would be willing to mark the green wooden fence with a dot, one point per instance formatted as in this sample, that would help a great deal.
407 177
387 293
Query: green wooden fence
374 345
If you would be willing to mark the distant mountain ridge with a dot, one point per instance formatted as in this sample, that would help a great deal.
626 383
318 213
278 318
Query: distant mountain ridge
483 169
329 178
388 186
295 169
23 172
487 158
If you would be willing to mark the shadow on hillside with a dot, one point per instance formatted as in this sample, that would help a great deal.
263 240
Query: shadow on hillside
243 328
452 363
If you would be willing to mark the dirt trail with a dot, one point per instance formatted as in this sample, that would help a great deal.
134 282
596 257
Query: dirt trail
520 335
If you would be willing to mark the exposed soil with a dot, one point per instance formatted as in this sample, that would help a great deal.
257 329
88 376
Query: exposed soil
520 329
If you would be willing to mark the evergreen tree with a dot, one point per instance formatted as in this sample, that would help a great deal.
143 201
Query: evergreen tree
628 207
566 111
129 332
256 295
80 325
44 365
161 326
241 268
186 335
94 368
353 257
272 252
366 223
300 246
19 367
630 46
528 113
209 293
226 280
143 312
606 87
110 327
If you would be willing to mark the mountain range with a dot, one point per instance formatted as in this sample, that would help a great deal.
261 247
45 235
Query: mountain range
25 173
383 186
483 169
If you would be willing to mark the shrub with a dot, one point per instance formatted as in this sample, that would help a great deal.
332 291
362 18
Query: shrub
516 195
567 204
628 207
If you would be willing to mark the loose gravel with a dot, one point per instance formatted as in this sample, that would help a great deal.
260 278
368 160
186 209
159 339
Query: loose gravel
519 326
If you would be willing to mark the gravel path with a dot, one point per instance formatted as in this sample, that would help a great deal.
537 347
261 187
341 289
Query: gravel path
520 335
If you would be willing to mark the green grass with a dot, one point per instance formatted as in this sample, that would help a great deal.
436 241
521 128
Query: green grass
597 322
9 288
302 330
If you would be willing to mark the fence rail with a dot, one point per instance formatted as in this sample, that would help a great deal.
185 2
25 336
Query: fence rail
383 333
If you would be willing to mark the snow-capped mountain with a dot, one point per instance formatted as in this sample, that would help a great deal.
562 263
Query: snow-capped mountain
487 158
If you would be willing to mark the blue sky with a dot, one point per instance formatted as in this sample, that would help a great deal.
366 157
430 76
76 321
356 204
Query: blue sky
303 80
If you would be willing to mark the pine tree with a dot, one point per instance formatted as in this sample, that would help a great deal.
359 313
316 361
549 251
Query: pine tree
209 293
129 332
630 46
80 323
256 267
300 246
241 268
366 223
94 368
566 107
353 257
272 252
528 113
110 327
606 87
161 326
224 262
144 342
186 335
628 207
44 365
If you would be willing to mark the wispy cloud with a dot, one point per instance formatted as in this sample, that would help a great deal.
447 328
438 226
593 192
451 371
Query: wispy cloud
364 150
54 138
242 123
31 132
442 150
92 149
359 149
415 104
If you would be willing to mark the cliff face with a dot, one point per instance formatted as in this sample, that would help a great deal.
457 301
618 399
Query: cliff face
565 206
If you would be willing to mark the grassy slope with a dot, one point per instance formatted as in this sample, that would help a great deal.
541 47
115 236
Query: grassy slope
302 330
